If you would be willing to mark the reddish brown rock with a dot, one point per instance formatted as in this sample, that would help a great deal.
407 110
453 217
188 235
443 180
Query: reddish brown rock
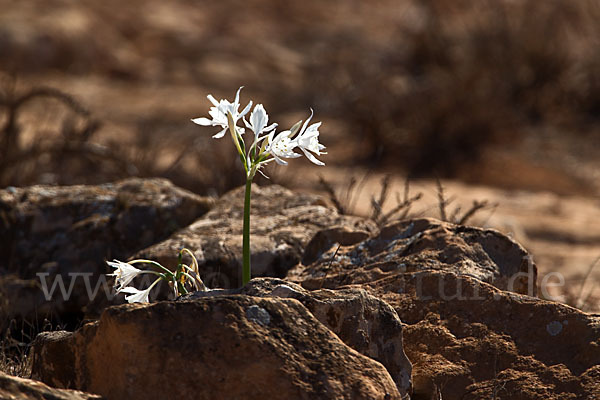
363 322
551 332
224 347
26 389
326 238
467 338
68 232
470 333
421 245
282 223
486 341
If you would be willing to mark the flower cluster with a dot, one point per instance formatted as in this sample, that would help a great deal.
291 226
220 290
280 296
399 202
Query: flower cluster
267 145
184 275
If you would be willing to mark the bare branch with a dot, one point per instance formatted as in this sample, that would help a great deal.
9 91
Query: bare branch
477 205
332 196
580 302
442 202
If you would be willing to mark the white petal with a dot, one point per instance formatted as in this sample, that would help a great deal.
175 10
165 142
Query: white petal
124 273
131 289
311 157
279 160
137 296
202 121
213 100
314 128
282 135
306 123
263 174
245 111
226 107
259 118
271 135
220 134
237 97
270 127
261 138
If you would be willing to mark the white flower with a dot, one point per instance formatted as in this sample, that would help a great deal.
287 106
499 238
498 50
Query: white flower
308 140
281 146
136 295
219 114
124 274
258 123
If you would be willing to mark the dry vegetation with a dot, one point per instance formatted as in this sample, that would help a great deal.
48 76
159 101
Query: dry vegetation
14 348
345 202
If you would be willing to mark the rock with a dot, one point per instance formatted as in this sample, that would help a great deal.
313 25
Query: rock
282 223
472 332
362 321
12 387
51 345
52 235
471 340
467 339
418 245
468 326
224 347
326 238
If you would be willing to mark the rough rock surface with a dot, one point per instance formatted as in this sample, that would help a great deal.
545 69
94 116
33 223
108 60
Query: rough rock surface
26 389
225 347
418 245
466 338
363 322
68 232
468 327
486 342
282 223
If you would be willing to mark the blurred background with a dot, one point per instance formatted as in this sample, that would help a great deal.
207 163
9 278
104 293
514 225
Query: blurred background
498 99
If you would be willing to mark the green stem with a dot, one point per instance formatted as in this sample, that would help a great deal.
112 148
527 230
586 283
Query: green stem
246 239
157 265
182 288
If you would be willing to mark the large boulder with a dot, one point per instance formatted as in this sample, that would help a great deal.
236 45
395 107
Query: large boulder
282 223
471 325
362 321
62 235
417 245
470 340
12 387
223 347
471 329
